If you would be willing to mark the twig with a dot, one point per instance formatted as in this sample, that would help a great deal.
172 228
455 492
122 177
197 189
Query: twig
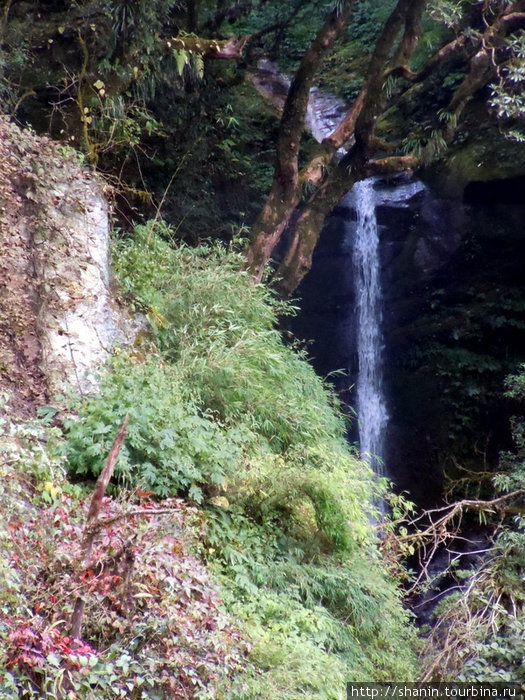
27 93
161 204
438 526
100 524
93 513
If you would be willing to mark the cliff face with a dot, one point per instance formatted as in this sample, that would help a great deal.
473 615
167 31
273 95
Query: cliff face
58 317
453 321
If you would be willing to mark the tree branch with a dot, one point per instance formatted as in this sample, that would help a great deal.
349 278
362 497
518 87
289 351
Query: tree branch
210 48
364 127
391 165
92 518
285 194
410 38
439 530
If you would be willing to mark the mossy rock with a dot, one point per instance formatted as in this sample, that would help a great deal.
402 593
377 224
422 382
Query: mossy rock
480 153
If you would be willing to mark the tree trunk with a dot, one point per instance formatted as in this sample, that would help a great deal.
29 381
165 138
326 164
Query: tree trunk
193 15
285 193
298 258
352 167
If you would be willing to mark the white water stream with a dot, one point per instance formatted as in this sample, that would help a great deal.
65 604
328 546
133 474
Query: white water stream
324 113
371 409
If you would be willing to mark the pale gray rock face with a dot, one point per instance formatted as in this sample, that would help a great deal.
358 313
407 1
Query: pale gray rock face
79 321
59 318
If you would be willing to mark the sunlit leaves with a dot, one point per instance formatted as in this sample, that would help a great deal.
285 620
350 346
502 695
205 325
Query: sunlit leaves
181 59
449 12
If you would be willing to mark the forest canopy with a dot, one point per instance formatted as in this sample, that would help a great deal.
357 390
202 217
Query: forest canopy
122 80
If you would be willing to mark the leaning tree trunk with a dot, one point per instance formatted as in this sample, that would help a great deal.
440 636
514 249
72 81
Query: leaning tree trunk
285 194
352 167
298 257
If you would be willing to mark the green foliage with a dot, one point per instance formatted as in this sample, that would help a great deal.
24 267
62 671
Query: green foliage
464 379
464 340
137 26
501 658
288 530
507 94
367 20
287 29
297 605
171 447
219 330
485 627
346 66
427 145
447 12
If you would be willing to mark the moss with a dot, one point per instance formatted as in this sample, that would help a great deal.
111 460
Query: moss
344 70
391 124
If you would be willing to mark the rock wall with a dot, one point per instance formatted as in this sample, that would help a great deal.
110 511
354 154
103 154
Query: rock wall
453 322
58 317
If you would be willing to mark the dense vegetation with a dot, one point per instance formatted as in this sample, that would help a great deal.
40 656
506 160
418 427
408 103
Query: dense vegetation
226 415
237 555
479 630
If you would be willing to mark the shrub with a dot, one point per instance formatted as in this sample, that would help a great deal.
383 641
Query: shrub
171 446
224 412
220 330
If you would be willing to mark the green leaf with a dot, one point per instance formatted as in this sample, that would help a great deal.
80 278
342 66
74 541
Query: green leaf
181 59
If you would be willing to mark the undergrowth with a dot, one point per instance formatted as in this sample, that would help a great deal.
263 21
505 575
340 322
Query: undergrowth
223 414
289 530
479 633
154 625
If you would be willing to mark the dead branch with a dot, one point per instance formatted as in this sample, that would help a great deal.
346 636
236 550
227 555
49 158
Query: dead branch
441 526
106 474
134 512
92 518
210 48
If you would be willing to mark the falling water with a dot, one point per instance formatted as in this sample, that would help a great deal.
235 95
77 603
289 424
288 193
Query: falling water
370 401
325 111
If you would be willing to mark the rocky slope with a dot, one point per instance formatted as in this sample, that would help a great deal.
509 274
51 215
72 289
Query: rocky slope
59 317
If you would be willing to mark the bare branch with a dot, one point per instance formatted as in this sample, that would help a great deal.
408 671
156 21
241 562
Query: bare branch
210 48
134 512
106 474
441 526
92 518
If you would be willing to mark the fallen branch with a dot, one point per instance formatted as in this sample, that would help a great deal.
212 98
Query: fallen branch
444 524
91 525
142 511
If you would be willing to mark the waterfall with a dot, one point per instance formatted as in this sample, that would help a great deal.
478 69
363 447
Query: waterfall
371 407
325 111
